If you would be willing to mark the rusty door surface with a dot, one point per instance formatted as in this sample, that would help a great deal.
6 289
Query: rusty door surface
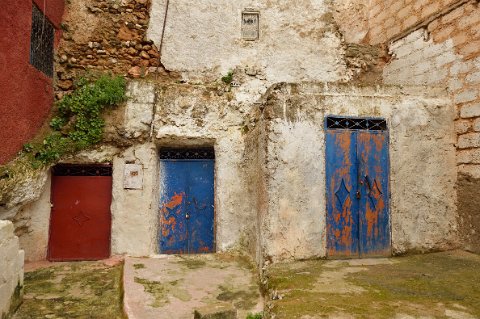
187 203
357 169
80 221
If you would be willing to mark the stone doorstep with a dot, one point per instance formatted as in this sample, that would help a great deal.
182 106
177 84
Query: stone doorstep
165 269
218 311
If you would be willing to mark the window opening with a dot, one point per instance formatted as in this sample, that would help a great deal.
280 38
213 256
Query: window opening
41 42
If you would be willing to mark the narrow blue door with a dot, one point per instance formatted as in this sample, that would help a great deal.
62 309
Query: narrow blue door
372 154
342 205
187 206
357 169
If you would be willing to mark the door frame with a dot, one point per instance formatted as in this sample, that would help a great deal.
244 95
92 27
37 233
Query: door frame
388 167
108 166
159 182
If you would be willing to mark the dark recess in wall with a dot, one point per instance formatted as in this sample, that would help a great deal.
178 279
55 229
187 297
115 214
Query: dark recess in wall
469 211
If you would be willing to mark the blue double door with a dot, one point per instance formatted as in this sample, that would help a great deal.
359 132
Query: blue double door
187 206
358 221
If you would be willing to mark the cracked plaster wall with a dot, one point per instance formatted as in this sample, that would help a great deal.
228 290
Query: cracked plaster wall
298 39
11 264
422 177
446 52
270 167
155 116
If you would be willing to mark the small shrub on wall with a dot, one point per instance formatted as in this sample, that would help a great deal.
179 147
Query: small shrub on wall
78 123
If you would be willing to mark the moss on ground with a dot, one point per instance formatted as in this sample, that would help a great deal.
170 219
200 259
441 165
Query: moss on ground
161 291
241 299
293 275
73 290
156 289
192 263
423 285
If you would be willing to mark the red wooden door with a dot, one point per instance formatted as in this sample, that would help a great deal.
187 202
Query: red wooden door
80 219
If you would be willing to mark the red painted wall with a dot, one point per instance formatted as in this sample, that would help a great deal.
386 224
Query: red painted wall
26 94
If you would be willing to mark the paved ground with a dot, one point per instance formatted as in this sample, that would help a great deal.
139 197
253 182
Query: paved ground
73 290
173 287
443 285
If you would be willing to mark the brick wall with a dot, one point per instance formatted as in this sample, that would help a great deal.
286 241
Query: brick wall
388 18
11 269
446 52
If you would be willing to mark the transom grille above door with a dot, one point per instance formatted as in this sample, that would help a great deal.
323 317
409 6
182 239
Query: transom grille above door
185 154
354 123
82 170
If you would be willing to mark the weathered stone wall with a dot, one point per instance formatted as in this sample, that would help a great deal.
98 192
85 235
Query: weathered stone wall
265 178
189 115
469 211
155 116
352 17
447 53
256 172
270 165
433 43
422 161
104 36
134 220
11 266
32 223
181 115
298 39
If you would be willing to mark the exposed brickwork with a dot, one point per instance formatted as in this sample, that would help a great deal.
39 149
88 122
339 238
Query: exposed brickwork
449 57
390 17
446 53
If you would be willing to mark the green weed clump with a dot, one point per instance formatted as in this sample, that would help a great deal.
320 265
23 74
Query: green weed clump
228 78
78 123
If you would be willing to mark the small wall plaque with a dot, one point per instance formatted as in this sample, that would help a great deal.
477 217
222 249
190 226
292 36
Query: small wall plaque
250 24
133 176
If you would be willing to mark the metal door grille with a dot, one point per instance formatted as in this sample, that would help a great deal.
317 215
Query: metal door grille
41 42
197 153
349 123
82 170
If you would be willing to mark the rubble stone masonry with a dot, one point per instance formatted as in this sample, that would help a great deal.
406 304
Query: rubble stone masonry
104 36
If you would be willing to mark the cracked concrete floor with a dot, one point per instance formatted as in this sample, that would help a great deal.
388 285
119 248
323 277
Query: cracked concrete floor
441 285
175 286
